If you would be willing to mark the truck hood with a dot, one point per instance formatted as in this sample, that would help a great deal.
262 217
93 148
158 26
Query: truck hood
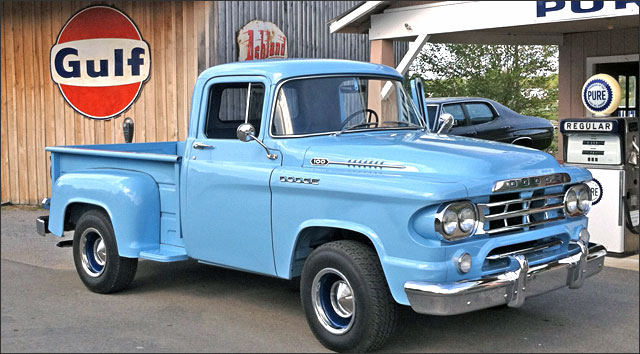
441 158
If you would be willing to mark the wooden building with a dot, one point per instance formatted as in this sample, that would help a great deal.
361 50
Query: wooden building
183 38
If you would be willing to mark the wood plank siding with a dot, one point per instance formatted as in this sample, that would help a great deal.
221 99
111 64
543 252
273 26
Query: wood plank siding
34 113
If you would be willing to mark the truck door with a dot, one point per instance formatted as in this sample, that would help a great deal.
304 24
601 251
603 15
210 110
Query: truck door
227 218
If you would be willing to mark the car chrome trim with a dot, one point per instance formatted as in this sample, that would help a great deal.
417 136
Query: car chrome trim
319 161
526 250
531 182
340 302
301 180
511 288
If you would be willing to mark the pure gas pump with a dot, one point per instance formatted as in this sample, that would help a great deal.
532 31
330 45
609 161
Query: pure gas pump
609 148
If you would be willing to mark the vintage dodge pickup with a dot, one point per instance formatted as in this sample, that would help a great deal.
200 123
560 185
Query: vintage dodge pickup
326 170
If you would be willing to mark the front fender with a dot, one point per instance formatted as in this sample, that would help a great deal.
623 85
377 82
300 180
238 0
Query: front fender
131 199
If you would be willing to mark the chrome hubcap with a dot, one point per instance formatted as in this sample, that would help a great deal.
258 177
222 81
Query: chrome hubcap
342 299
92 252
333 301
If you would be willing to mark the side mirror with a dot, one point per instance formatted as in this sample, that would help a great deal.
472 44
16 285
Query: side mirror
446 122
246 132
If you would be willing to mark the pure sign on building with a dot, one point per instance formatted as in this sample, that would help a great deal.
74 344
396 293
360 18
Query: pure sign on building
100 62
261 40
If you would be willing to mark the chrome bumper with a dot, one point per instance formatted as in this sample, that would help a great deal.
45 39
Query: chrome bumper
509 288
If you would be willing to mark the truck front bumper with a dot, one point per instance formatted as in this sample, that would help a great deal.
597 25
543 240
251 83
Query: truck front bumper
509 288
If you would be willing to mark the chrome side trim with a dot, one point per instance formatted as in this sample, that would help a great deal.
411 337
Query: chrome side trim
530 182
319 161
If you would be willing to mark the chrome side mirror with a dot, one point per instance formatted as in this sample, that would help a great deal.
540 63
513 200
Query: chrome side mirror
446 122
246 132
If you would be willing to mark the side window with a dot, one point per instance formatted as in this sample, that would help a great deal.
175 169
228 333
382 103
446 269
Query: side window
228 109
456 111
479 113
431 112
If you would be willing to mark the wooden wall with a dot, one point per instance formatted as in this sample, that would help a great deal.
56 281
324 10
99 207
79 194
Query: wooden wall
34 113
573 54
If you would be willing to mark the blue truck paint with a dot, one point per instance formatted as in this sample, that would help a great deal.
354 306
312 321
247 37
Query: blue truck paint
231 206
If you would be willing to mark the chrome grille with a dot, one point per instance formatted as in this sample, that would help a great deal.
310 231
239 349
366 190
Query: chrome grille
514 211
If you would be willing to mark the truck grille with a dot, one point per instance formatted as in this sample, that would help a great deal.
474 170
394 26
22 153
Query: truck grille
521 210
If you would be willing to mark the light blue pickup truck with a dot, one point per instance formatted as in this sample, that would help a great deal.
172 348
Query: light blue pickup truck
326 170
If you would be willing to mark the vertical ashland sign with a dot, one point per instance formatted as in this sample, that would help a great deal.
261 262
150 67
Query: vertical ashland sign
100 62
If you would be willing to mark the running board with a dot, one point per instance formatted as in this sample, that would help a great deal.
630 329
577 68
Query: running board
166 253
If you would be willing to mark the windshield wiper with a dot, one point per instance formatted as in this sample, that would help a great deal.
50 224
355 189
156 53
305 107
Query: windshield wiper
361 125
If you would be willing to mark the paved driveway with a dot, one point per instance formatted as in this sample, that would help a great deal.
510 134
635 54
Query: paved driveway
189 307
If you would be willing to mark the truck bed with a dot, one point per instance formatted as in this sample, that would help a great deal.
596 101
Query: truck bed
161 160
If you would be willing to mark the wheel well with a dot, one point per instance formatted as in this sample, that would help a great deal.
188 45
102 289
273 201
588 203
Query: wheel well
75 210
313 237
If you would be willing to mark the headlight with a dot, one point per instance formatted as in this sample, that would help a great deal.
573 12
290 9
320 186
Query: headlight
456 220
584 200
577 200
467 219
449 222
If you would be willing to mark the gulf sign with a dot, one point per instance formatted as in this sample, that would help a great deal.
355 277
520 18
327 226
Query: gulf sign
100 62
601 94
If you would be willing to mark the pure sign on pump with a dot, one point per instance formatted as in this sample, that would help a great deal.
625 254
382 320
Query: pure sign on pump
100 62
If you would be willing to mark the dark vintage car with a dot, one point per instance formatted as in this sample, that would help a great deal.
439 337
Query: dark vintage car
483 118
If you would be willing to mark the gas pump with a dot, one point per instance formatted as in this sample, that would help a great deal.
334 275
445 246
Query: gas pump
609 148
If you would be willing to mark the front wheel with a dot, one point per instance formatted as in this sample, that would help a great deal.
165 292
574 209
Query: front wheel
95 254
345 297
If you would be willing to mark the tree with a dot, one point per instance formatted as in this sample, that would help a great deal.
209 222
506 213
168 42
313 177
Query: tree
523 78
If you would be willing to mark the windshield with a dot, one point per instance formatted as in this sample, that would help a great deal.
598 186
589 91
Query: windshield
342 104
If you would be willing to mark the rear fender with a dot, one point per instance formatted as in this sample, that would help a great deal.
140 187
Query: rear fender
131 199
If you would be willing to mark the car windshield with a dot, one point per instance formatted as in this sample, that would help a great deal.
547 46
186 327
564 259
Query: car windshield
342 104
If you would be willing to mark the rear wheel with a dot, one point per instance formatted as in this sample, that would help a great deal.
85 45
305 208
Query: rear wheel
345 297
95 254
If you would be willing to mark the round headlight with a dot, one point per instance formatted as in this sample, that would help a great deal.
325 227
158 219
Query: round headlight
466 219
571 202
464 263
449 222
584 201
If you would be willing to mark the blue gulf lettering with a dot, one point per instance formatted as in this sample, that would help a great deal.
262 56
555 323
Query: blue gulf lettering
135 61
73 64
117 57
104 68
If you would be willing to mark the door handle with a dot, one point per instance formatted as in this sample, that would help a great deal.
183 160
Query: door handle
198 145
506 127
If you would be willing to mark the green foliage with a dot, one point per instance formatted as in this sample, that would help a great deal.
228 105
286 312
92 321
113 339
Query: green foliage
523 78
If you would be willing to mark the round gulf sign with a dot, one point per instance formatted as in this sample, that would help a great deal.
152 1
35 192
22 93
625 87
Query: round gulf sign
601 94
100 62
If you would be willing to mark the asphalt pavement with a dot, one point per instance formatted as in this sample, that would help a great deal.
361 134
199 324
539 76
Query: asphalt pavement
190 307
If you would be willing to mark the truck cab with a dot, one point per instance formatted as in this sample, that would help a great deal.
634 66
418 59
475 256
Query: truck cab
326 170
